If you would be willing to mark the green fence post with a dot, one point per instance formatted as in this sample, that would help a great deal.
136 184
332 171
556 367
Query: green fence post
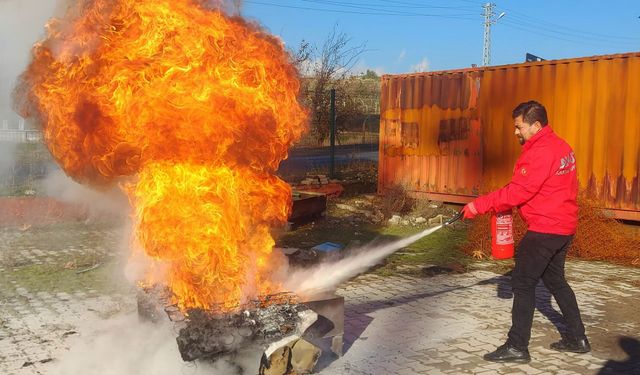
332 134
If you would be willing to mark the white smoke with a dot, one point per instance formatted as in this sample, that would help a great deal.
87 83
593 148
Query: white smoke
230 7
21 25
325 277
7 159
112 202
125 346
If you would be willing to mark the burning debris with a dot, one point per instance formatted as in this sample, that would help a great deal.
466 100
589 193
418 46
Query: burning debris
206 335
210 334
277 325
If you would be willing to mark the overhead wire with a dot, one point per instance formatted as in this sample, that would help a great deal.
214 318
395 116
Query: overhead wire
537 22
480 3
374 8
515 20
583 37
462 16
400 4
545 34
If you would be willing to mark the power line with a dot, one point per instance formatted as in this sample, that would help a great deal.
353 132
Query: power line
374 8
627 40
477 3
525 18
540 32
537 27
421 4
515 20
404 4
460 16
585 38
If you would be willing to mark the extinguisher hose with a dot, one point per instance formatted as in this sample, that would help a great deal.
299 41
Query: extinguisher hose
455 218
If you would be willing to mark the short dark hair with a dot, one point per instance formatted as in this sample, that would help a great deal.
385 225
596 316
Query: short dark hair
531 112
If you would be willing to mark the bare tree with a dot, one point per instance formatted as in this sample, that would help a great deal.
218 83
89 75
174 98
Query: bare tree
322 70
232 7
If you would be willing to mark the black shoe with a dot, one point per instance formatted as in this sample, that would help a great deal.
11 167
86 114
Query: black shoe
508 353
572 345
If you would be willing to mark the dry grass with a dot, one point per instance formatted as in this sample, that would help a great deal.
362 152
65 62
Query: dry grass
599 237
426 208
9 260
396 201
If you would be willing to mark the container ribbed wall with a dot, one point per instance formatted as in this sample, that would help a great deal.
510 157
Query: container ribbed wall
451 132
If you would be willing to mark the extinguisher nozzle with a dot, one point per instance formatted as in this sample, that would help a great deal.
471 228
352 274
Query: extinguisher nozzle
455 218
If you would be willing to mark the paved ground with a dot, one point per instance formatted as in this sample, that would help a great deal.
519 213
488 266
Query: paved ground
79 322
445 324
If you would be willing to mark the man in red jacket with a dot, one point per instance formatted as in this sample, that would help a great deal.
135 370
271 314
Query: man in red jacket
544 187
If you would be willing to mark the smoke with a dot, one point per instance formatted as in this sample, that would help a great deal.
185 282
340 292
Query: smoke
21 25
325 277
231 7
97 204
7 159
125 346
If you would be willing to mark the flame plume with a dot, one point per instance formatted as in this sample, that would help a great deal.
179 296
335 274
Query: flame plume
198 109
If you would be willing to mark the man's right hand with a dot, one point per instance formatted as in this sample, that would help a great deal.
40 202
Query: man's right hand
469 211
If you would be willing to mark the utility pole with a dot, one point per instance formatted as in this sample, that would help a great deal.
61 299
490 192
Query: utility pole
488 21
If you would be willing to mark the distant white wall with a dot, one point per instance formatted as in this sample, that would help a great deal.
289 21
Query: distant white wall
17 132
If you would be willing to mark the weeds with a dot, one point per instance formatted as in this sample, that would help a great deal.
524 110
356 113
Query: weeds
426 208
395 200
598 237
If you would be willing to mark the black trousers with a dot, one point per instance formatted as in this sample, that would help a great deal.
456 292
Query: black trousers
541 255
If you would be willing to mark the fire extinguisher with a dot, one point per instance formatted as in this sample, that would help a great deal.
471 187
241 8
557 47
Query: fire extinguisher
502 235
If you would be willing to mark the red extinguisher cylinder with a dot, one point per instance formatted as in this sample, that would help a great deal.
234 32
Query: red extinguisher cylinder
502 235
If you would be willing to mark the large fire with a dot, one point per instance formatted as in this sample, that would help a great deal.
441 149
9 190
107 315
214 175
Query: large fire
191 111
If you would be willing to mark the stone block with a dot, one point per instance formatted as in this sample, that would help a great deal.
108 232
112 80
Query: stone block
304 356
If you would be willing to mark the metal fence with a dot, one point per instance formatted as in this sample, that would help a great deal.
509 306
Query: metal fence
20 136
353 154
24 160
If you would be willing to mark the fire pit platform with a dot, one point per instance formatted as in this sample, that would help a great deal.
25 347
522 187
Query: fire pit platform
273 322
330 322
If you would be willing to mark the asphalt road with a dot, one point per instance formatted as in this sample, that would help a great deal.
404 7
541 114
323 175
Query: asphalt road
303 160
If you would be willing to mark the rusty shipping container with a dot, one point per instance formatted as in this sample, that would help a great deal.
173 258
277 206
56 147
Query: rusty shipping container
449 135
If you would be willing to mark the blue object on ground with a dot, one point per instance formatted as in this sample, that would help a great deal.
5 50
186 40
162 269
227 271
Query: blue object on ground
327 247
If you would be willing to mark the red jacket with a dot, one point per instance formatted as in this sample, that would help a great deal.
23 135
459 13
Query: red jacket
544 186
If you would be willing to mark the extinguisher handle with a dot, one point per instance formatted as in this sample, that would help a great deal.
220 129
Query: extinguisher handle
455 218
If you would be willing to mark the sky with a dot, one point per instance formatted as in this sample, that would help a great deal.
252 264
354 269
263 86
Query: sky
400 36
416 35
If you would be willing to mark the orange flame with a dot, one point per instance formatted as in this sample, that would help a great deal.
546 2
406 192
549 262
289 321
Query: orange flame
199 107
